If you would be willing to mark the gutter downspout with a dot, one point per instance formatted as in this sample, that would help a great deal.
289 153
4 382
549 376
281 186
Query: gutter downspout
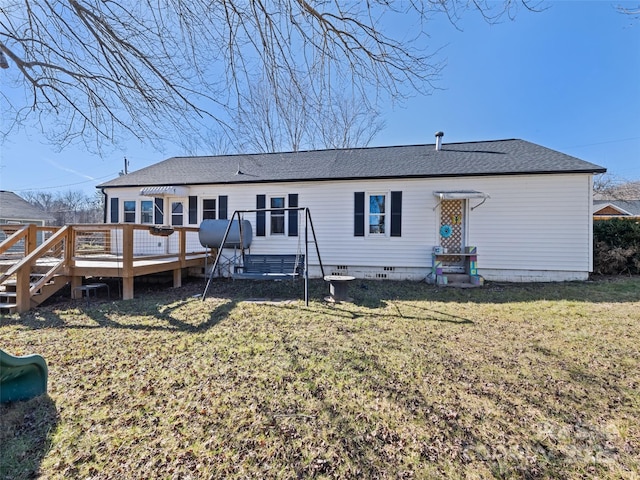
104 206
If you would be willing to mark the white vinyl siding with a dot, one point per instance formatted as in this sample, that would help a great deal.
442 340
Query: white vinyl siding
542 222
532 226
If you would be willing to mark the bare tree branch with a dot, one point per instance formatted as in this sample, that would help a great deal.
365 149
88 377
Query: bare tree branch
608 187
633 11
92 70
69 206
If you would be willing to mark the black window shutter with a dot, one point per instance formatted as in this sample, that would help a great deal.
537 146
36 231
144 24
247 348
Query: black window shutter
293 215
358 220
261 202
193 210
396 214
222 207
159 211
115 214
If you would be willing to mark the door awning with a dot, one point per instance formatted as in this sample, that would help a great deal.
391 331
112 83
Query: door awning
164 191
461 195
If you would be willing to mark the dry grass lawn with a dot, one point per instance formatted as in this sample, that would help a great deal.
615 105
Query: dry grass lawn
409 381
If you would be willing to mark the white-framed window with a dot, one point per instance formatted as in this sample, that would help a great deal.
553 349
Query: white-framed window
277 217
146 211
129 209
209 209
378 215
177 213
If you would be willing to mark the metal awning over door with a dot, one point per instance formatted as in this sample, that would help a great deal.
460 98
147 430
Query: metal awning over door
164 191
461 195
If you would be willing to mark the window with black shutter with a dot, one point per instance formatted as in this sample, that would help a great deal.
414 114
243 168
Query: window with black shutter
222 207
358 221
115 213
193 210
261 202
396 214
293 215
382 212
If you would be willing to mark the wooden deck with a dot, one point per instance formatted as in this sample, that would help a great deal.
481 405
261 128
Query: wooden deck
37 261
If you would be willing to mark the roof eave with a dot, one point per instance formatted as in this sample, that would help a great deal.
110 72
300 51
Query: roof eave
379 177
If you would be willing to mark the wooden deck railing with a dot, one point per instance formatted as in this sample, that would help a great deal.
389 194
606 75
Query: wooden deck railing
98 250
28 234
13 236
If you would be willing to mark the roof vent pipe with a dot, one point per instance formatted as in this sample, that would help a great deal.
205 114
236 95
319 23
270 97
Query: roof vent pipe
439 136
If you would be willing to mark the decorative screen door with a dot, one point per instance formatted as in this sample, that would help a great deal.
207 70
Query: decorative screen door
451 233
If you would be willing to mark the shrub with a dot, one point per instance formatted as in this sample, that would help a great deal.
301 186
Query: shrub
616 247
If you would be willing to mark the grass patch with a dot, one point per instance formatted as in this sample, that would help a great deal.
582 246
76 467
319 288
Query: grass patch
409 381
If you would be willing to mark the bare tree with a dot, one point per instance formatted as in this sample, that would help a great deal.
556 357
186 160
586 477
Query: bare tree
267 124
344 123
159 68
627 191
43 200
68 207
608 187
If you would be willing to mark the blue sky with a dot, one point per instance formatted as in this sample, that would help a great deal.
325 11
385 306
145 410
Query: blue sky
567 78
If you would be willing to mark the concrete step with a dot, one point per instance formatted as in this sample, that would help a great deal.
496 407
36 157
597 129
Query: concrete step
458 278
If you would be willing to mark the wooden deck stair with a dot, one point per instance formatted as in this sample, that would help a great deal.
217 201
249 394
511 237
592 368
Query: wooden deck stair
35 277
74 252
9 293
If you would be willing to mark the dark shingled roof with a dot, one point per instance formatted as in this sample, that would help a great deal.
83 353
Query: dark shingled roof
499 157
13 207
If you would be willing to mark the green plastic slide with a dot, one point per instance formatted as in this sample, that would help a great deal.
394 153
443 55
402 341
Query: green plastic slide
23 377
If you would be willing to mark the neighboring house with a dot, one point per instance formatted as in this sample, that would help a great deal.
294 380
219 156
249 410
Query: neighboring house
15 210
625 209
380 212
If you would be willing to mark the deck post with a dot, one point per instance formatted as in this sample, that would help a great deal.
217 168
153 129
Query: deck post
23 296
177 278
182 257
127 262
182 247
127 288
75 283
31 241
69 254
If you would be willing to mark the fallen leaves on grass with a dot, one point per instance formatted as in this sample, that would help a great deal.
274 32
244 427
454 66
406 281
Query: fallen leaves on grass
410 381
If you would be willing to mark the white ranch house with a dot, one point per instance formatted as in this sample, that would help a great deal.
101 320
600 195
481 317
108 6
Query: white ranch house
380 212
